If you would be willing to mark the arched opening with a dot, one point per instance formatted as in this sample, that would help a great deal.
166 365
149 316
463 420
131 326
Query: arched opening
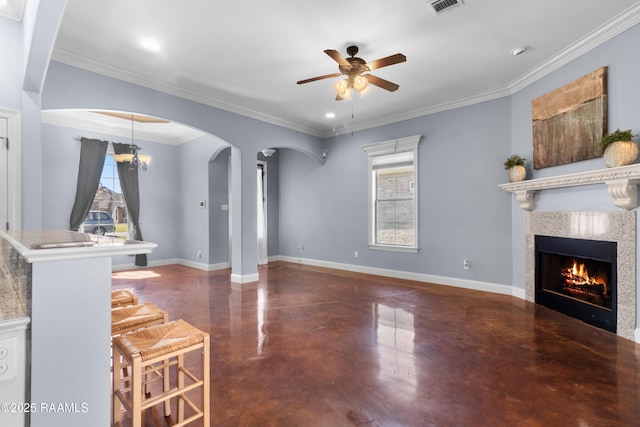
174 189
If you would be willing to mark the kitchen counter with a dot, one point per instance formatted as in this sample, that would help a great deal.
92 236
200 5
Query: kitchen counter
61 281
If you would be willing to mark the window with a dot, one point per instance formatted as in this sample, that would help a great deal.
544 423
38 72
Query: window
108 210
393 194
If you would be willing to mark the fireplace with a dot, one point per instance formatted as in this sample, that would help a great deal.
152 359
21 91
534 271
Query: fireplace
577 277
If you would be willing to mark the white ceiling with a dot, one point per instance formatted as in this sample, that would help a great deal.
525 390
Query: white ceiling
246 56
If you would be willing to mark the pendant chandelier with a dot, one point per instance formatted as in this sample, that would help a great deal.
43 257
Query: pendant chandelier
134 159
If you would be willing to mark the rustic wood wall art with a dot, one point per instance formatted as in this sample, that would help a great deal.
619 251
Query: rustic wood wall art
569 122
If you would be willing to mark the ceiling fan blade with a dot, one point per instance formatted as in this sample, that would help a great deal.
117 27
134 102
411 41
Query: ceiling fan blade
337 57
385 62
382 83
313 79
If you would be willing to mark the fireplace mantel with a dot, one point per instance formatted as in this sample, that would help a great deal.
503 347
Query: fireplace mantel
622 183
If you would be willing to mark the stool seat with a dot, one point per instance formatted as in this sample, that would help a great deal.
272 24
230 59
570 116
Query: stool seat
150 343
123 297
124 319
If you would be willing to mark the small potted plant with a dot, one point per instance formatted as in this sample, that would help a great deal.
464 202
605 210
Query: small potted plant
619 148
515 168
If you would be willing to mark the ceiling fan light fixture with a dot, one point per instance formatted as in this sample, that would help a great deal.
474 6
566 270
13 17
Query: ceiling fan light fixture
360 83
342 89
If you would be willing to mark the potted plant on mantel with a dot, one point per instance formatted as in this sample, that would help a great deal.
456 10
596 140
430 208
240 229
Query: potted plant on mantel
619 148
515 168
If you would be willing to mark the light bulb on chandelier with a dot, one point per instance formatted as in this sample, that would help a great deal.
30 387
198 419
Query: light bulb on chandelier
358 83
342 89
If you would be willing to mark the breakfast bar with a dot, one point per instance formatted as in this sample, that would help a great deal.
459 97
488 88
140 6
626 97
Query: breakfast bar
62 279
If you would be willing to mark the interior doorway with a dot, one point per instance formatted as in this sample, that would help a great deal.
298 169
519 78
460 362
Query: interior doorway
263 247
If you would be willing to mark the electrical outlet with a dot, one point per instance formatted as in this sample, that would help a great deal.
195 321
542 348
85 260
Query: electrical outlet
8 348
300 248
199 254
355 254
466 264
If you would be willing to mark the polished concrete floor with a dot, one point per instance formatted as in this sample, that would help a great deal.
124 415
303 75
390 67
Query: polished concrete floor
308 346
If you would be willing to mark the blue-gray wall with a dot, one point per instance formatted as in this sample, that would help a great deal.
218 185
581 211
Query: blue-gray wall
218 217
11 70
462 212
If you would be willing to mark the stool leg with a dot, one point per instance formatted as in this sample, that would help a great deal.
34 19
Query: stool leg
136 392
206 380
166 386
180 387
117 409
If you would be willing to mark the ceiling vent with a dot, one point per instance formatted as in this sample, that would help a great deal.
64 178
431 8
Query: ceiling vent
439 6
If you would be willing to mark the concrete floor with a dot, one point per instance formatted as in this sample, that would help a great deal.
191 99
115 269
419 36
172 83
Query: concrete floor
308 346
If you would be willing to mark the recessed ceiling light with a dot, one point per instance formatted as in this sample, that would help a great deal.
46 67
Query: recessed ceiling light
330 115
150 44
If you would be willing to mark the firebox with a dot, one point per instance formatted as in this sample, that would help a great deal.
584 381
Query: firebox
577 277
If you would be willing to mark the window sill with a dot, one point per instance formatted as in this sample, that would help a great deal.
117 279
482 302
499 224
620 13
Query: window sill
405 249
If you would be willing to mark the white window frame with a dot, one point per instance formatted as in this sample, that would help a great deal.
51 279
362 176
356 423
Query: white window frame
394 146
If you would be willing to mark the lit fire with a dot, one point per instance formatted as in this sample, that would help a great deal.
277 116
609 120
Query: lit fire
577 278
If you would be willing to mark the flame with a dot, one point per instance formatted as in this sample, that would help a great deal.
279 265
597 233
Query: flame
577 275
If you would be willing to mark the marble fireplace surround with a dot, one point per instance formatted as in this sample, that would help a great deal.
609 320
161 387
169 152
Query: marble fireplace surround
614 226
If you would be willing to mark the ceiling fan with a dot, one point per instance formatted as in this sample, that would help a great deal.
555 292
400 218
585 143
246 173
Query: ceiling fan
353 68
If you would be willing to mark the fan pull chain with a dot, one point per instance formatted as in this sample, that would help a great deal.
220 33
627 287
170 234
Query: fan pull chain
352 117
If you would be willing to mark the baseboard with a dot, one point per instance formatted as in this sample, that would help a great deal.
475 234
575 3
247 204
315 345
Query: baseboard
419 277
132 266
398 274
518 292
243 279
170 261
203 266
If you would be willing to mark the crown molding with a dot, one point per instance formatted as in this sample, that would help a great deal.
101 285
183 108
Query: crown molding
108 70
597 37
477 98
602 34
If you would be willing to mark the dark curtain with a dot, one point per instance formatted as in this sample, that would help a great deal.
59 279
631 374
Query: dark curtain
92 154
131 192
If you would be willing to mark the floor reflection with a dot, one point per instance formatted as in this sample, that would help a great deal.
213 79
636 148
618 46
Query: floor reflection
262 312
394 334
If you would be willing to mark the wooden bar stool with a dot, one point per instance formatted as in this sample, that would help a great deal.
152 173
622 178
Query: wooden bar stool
153 350
122 298
126 319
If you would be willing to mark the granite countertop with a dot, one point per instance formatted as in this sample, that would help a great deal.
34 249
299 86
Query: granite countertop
14 300
11 305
